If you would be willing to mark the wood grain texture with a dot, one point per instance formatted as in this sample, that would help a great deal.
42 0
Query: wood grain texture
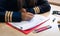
55 2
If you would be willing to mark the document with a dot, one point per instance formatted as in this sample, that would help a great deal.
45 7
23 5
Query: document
25 25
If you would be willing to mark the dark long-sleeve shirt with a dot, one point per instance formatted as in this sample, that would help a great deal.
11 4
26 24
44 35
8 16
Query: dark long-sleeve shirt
9 9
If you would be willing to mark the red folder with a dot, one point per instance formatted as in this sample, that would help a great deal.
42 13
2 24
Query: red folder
29 30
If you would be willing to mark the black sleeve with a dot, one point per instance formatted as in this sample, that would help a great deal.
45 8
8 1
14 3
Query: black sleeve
44 6
8 16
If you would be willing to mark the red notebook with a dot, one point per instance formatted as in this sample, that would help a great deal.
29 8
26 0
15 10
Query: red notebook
28 26
29 30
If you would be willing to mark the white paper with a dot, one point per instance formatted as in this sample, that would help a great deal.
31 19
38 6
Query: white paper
24 25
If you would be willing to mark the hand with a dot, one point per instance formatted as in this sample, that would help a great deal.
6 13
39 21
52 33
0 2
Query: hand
27 16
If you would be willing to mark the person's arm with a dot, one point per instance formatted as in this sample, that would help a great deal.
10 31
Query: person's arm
42 7
10 16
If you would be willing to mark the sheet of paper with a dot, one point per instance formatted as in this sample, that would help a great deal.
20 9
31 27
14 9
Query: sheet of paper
54 31
24 25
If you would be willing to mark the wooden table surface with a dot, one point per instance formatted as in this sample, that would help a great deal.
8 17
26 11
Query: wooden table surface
55 2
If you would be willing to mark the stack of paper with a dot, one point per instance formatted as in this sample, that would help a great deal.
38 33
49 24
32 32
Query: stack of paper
27 25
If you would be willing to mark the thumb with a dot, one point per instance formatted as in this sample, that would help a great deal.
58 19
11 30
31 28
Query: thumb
23 10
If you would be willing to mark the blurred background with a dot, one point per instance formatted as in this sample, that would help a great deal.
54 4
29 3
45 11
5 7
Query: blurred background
54 2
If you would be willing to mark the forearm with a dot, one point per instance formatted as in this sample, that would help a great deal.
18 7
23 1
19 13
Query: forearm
41 7
44 6
10 16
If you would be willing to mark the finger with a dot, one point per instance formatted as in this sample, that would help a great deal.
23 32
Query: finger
29 17
30 14
23 10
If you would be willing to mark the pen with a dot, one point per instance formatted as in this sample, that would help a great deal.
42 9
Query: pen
56 12
54 19
58 24
59 27
42 29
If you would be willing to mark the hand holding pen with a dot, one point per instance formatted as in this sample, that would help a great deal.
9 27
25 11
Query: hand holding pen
26 15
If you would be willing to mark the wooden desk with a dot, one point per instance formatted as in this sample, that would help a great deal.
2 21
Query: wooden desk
55 2
6 30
